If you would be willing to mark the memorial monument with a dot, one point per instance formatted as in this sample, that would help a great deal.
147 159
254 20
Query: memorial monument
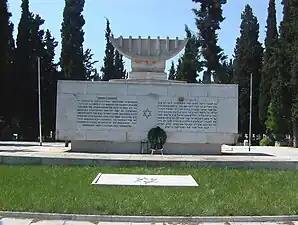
115 116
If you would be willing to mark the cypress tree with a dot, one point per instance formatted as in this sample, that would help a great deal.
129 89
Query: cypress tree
108 69
72 34
208 19
281 87
289 34
190 65
177 74
120 72
172 72
29 46
91 71
49 78
23 65
7 48
248 60
226 74
269 66
294 82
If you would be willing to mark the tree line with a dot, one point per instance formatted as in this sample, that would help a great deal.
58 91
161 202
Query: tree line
273 66
18 67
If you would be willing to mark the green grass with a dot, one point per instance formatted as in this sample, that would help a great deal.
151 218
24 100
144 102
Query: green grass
221 192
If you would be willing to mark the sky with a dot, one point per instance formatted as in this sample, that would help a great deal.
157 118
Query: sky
142 18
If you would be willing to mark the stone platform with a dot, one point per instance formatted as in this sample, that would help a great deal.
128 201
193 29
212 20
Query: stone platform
108 147
24 153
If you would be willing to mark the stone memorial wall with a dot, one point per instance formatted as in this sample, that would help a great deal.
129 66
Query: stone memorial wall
130 110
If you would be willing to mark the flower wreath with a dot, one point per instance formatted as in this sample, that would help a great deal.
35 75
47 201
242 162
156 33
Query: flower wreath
157 138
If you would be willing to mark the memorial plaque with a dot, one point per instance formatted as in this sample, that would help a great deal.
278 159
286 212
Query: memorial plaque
106 112
145 180
188 114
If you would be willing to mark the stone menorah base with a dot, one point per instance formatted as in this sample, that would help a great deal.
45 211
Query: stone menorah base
148 75
146 81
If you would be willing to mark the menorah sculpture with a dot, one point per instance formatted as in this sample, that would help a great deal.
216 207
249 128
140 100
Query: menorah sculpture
148 56
116 116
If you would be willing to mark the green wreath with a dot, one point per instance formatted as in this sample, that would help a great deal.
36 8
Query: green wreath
157 138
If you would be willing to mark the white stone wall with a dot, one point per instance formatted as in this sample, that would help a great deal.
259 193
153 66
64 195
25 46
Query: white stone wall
124 112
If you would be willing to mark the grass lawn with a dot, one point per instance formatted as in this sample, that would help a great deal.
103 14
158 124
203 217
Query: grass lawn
221 192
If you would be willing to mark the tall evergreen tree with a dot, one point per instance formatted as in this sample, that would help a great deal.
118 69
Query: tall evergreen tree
191 65
248 60
6 67
289 68
49 78
208 19
29 46
172 72
72 34
281 87
108 69
23 64
269 67
120 72
91 71
178 68
226 74
294 83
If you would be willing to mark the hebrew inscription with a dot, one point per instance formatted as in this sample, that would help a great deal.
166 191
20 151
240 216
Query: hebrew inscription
107 112
188 114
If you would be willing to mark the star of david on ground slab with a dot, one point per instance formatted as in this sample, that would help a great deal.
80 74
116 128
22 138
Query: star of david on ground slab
147 113
146 180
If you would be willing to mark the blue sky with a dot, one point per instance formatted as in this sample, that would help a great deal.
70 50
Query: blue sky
142 18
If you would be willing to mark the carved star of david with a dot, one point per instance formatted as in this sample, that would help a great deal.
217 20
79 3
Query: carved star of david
146 180
147 113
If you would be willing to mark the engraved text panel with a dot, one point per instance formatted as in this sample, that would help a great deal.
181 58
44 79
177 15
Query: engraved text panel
106 112
187 114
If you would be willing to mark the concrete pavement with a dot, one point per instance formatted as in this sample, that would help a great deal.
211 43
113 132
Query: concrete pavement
56 154
30 153
16 221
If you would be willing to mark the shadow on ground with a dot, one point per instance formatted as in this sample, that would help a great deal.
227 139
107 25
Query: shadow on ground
247 154
228 154
18 144
15 151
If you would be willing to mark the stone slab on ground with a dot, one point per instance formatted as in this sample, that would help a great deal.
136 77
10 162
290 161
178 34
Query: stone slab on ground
145 180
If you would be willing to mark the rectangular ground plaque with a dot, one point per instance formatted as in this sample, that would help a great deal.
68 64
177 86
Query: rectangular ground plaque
145 180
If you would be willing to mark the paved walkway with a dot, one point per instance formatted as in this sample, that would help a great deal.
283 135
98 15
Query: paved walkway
58 147
13 221
20 153
261 151
26 147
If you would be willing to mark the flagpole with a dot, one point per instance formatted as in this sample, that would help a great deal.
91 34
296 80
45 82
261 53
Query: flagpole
250 113
39 101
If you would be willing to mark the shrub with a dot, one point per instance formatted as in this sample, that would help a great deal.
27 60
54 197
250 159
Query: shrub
267 141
